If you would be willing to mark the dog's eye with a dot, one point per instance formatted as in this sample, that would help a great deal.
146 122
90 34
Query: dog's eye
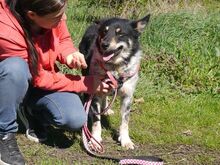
105 29
118 30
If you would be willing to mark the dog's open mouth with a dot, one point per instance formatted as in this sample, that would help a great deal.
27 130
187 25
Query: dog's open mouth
113 53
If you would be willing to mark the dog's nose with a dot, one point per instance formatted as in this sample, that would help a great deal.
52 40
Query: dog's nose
105 45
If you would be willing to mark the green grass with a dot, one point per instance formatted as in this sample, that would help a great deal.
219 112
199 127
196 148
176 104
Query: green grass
184 54
168 119
178 117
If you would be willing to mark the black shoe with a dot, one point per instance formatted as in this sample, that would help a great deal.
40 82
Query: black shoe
9 151
35 131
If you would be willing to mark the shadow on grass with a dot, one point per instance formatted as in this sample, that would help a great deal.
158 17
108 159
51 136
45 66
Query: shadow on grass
107 125
57 137
62 139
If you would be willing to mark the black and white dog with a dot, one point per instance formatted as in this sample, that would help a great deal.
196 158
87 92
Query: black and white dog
114 43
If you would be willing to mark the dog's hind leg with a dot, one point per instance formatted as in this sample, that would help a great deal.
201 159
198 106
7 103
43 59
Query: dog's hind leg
124 132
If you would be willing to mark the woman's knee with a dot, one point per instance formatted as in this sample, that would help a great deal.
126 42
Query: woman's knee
15 69
62 109
65 110
75 121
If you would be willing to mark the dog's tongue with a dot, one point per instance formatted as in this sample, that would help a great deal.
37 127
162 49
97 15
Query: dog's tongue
107 58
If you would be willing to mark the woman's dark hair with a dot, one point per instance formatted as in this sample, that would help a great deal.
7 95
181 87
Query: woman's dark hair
19 9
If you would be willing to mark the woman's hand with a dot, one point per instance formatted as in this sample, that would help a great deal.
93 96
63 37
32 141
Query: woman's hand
76 60
101 86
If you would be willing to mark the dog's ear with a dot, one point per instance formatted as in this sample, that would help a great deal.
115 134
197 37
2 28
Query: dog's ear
99 21
140 24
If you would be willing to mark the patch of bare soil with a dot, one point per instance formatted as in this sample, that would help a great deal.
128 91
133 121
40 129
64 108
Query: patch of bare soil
67 149
61 148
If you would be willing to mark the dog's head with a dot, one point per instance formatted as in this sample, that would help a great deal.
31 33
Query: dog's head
119 36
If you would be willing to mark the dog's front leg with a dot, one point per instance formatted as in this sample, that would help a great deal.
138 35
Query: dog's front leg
105 104
124 132
96 126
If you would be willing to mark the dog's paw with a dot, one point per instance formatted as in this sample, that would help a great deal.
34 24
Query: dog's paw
126 142
97 138
95 146
109 112
95 143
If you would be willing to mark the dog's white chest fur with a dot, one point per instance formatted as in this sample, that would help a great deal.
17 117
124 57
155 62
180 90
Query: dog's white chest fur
122 69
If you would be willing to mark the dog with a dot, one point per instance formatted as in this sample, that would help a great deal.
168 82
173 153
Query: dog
113 42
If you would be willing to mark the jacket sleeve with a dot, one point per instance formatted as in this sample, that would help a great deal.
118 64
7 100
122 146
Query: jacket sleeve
49 80
66 45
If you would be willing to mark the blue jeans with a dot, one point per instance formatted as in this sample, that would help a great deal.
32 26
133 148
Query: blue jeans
62 109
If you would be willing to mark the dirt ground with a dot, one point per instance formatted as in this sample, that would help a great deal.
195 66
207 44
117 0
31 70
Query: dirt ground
72 152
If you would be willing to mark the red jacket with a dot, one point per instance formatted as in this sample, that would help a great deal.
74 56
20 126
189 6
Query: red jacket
53 45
